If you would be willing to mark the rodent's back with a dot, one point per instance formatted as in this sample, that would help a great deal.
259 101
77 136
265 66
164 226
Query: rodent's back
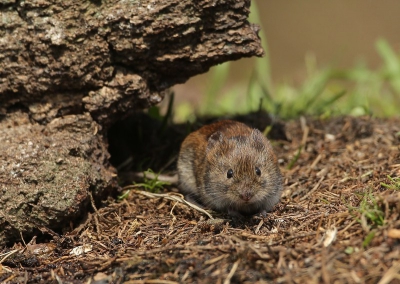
209 153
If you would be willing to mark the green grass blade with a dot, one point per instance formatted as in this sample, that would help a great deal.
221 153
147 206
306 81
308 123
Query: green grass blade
392 63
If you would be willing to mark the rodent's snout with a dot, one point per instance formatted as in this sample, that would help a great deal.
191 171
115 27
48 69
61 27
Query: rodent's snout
246 195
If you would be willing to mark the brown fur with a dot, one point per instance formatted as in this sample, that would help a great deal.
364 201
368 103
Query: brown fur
207 154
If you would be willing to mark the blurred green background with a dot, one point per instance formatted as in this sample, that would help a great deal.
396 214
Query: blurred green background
322 58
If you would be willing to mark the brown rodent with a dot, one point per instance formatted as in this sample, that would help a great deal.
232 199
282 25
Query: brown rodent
230 167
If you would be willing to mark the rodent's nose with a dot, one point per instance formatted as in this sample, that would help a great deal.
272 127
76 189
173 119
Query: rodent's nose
246 195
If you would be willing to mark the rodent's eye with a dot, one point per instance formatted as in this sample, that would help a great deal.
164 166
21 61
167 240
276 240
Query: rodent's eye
258 171
229 174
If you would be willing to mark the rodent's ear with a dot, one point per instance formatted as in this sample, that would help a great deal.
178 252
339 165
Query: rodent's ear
256 134
214 139
258 137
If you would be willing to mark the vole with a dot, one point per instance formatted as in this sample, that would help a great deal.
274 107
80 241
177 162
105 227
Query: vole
228 166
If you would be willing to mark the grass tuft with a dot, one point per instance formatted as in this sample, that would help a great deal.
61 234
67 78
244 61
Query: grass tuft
153 185
394 183
369 212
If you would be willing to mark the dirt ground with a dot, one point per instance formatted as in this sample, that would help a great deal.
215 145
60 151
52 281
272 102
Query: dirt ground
338 222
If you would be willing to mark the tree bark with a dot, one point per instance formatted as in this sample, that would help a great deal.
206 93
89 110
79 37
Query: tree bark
69 69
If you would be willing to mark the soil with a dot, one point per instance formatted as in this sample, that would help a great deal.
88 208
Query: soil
338 222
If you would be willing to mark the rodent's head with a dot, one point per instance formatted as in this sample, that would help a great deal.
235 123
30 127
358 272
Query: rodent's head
241 173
